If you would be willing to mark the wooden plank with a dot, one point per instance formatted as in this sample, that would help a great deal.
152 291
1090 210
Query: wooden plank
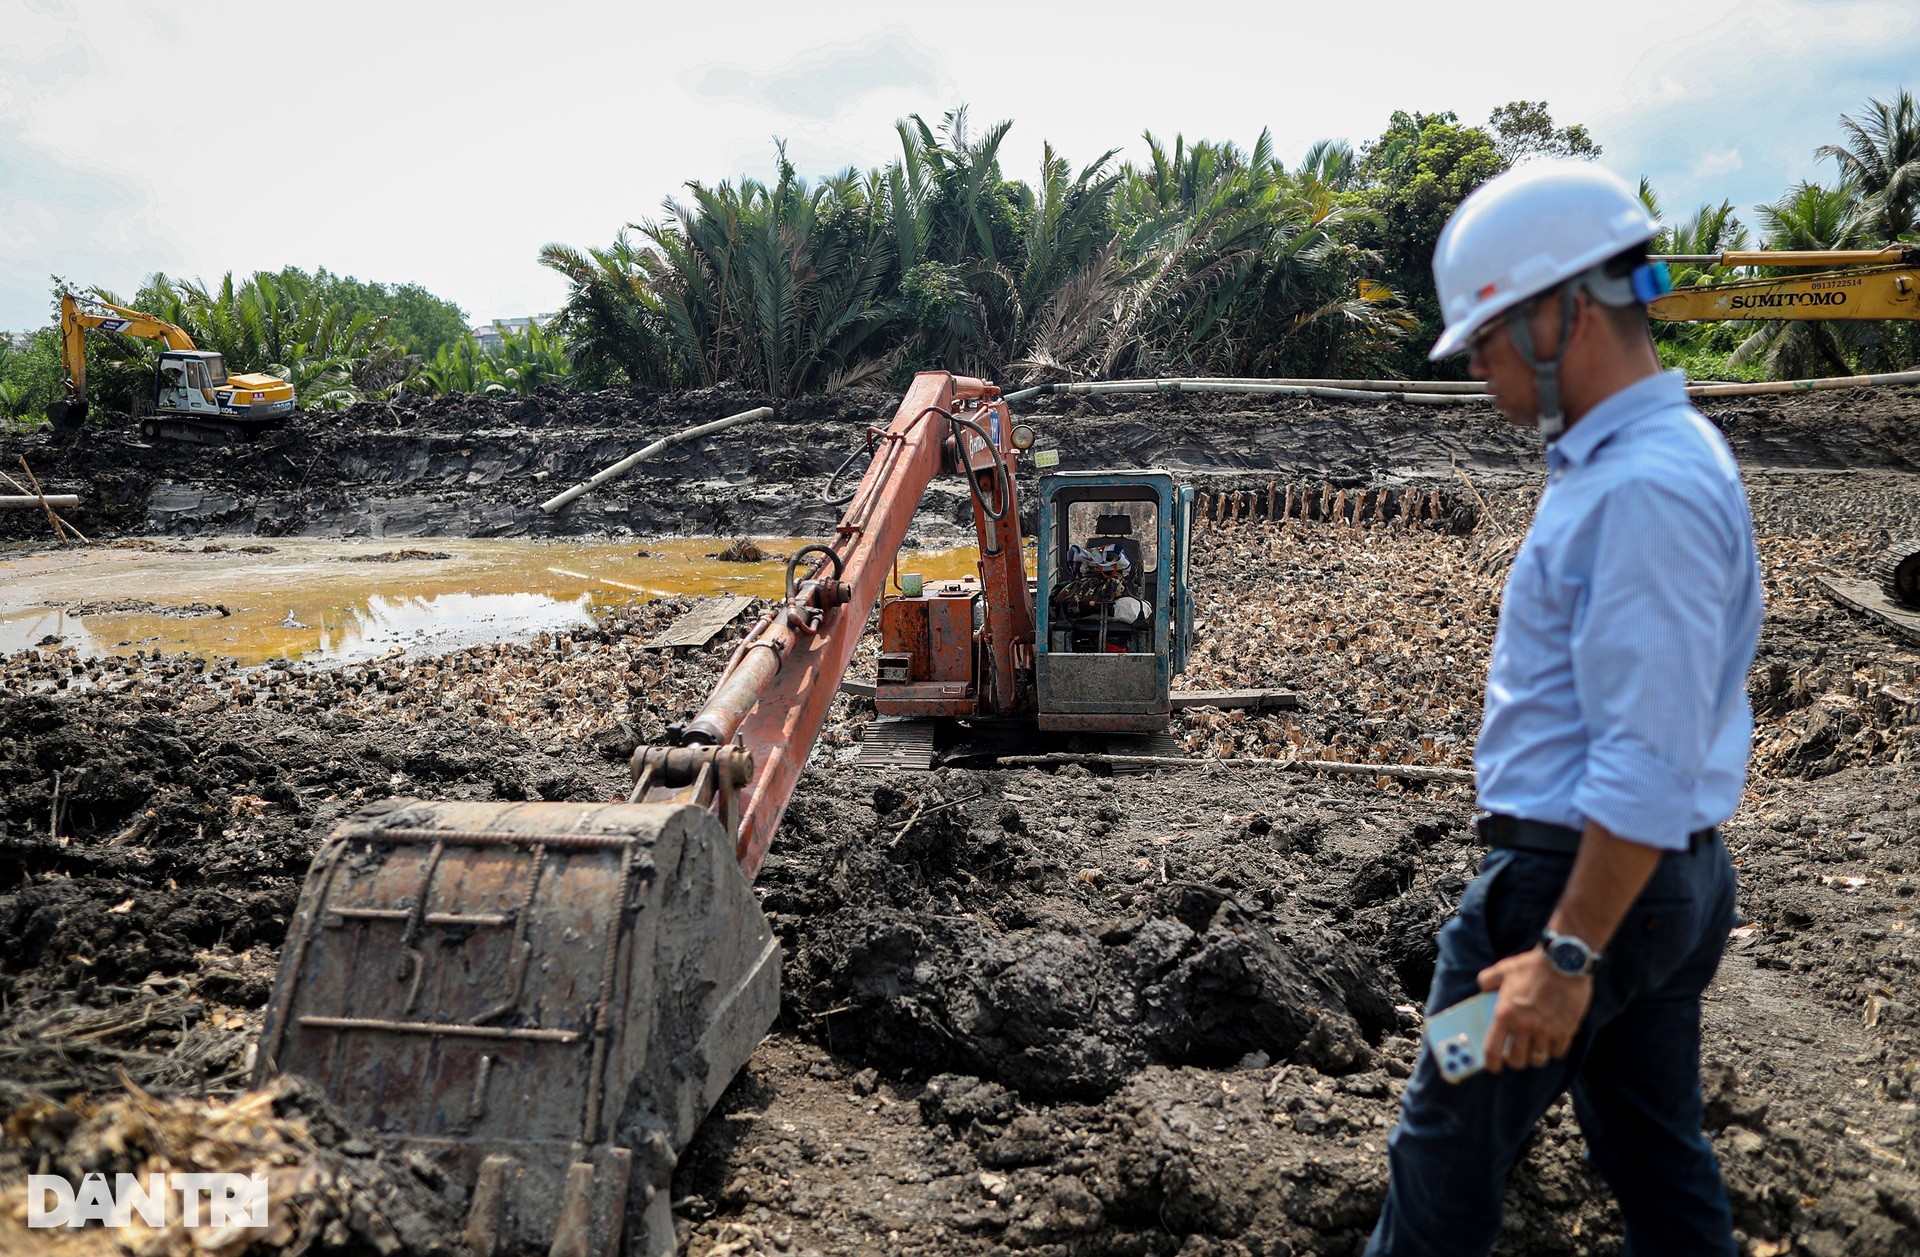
897 743
1869 599
1251 700
698 626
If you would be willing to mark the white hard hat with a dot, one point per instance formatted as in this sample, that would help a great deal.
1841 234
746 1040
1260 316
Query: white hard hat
1525 232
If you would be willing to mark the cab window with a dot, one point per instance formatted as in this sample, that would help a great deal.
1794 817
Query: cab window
1106 575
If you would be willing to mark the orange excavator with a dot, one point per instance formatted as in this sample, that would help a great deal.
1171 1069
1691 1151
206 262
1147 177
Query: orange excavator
547 998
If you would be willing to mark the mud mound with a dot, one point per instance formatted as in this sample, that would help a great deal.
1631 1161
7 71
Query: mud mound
465 466
992 940
138 832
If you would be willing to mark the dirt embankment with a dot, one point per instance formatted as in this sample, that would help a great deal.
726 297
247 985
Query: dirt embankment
472 466
1057 1012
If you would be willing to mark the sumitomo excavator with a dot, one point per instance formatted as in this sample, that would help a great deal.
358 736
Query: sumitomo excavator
194 399
547 998
1846 284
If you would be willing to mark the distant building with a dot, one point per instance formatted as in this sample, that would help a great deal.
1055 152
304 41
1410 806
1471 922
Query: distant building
490 336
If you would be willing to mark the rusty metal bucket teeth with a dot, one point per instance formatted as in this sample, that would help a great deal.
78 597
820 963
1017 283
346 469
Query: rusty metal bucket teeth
546 998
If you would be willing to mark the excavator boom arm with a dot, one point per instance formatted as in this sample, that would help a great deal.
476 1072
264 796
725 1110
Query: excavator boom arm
774 695
126 322
1882 292
1893 254
71 409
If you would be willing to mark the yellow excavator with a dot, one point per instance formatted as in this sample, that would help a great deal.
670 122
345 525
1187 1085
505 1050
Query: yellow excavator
194 399
1851 284
1858 284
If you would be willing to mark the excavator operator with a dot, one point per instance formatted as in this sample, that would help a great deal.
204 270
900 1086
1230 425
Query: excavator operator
1099 593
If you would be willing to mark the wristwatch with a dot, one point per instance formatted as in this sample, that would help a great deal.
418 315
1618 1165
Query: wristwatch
1570 957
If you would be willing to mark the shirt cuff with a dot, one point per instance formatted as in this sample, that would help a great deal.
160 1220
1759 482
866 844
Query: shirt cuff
1637 796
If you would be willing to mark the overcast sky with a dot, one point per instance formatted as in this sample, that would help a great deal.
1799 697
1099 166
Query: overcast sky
444 143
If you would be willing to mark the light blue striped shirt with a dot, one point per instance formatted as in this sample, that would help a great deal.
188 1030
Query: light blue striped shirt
1617 690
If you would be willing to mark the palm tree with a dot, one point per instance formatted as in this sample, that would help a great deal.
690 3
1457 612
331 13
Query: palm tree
1808 217
773 286
1880 161
1331 164
277 324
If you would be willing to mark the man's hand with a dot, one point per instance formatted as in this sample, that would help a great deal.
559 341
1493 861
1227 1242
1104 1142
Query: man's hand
1540 1008
1539 1011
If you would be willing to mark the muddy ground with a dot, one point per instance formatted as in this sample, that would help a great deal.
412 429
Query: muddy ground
1066 1012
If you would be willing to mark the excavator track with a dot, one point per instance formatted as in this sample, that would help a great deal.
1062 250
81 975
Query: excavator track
1898 572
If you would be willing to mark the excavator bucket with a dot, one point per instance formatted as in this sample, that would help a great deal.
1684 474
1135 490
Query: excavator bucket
545 998
67 415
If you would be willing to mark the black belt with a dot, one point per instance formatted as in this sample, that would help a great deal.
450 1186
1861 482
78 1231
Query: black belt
1511 831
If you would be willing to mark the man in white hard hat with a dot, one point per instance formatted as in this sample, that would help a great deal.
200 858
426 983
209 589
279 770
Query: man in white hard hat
1614 740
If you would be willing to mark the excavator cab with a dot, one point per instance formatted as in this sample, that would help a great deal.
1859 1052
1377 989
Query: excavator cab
185 382
1114 615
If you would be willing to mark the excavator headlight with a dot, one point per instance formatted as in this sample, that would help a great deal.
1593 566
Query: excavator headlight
1023 436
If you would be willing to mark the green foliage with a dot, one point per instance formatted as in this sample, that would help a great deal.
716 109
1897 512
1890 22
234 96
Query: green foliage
415 320
1524 128
1203 258
1414 176
525 361
1703 362
336 340
1879 162
283 324
30 375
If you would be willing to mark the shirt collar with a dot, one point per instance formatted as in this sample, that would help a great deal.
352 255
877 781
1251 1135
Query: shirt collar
1597 426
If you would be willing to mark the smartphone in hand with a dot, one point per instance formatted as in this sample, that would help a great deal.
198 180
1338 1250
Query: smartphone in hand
1458 1036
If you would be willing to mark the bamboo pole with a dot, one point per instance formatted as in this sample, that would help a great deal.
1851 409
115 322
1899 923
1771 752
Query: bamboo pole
1818 385
59 531
15 484
27 501
1425 392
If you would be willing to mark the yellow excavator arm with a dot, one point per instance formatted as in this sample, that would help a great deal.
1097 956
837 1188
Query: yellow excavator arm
71 409
1879 284
74 320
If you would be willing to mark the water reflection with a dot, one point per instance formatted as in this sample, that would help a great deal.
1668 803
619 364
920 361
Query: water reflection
446 622
342 601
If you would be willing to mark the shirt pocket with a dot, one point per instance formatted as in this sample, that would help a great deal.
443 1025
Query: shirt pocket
1538 593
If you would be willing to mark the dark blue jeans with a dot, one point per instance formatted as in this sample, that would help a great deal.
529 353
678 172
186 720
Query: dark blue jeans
1634 1069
